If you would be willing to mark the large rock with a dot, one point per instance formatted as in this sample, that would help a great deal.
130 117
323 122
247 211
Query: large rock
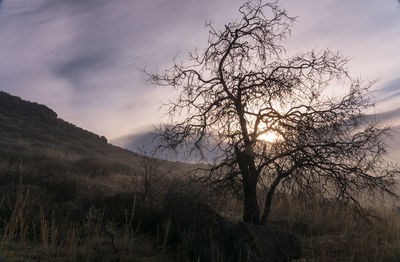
264 243
188 212
210 237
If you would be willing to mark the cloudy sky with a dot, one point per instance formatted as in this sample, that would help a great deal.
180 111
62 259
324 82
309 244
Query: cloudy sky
83 58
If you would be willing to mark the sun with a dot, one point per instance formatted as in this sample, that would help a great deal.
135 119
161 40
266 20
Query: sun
270 137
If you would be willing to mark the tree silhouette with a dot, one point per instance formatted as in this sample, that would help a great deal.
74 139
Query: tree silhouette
242 88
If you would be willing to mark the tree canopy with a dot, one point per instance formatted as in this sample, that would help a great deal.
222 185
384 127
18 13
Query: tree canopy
295 121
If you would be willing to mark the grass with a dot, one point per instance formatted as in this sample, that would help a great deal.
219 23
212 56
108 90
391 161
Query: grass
328 232
37 235
30 232
63 216
67 195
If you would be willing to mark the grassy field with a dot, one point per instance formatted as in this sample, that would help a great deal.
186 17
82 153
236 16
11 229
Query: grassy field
91 226
68 195
330 233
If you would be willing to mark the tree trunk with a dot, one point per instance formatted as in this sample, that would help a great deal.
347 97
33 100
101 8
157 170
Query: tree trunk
268 200
251 212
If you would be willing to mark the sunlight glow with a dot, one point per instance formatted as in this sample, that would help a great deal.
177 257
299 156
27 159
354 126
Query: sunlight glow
269 137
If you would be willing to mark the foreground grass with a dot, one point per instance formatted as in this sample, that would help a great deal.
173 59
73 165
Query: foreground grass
326 231
32 234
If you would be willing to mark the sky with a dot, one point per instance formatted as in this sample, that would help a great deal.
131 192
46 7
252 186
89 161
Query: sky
85 58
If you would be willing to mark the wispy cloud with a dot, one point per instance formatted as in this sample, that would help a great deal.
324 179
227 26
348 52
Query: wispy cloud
81 67
388 94
82 57
391 86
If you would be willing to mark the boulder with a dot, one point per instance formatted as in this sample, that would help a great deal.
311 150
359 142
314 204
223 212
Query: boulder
212 238
262 243
189 212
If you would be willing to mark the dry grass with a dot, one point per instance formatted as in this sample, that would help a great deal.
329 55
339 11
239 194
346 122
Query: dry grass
326 230
329 232
27 236
32 229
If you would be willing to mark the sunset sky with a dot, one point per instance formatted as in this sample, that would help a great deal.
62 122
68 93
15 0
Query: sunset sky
84 58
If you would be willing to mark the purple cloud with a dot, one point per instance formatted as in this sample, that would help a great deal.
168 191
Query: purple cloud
83 57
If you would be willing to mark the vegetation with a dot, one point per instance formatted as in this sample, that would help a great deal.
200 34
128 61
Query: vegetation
271 119
34 231
56 205
68 195
65 193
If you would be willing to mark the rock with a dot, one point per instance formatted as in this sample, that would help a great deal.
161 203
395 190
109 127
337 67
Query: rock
103 140
188 212
263 243
210 237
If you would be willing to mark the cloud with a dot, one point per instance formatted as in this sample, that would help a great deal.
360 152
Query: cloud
94 48
149 142
389 91
82 67
389 97
393 145
389 117
81 57
393 85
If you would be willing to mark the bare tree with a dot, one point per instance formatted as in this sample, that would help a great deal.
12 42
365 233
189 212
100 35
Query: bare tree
273 117
153 173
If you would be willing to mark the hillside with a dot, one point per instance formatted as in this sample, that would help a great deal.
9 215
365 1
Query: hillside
54 173
30 130
66 194
36 143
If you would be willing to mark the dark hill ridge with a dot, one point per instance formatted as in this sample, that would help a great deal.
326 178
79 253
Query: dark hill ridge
12 105
21 120
30 130
56 177
33 139
35 143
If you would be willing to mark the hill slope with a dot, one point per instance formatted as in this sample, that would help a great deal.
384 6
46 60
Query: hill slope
34 143
26 127
54 173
